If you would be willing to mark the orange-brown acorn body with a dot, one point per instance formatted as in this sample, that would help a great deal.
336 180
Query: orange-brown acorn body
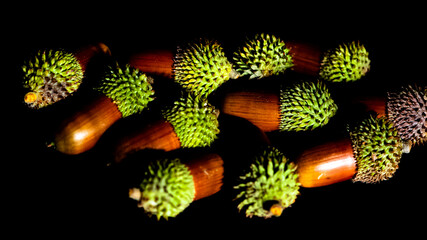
306 57
86 53
154 62
208 172
326 164
82 130
261 108
158 135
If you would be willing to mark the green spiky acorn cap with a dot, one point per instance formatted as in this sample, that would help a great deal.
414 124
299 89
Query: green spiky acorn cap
167 188
129 88
264 55
377 149
50 75
346 63
271 178
201 67
407 109
305 106
194 120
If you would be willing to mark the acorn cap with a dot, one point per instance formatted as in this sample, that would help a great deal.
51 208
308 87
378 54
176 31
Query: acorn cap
305 106
194 120
407 109
346 63
129 88
263 56
377 149
50 76
166 189
271 182
201 67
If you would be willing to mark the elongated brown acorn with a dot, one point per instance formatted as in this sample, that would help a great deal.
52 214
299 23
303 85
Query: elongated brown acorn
301 106
169 186
327 164
52 75
154 62
122 92
189 122
371 154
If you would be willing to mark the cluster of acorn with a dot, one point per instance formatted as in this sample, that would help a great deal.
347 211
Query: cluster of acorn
370 154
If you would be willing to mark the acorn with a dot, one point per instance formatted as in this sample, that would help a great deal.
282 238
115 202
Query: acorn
201 67
302 106
188 123
263 56
406 108
269 185
52 75
267 55
370 155
169 186
121 93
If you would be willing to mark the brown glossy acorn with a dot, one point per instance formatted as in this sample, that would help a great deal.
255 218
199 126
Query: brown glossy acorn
326 164
82 130
170 186
300 106
154 62
189 122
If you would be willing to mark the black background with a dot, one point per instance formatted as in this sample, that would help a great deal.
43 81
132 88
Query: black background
47 192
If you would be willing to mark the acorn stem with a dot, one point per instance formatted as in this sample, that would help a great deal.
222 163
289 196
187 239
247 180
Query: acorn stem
135 194
326 164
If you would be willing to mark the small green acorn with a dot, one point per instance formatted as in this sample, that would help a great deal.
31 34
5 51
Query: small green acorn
194 120
167 188
129 88
305 105
264 55
201 67
270 185
407 109
50 75
346 63
377 149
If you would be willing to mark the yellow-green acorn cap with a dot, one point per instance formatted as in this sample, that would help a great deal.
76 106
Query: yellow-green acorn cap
305 106
377 149
407 109
50 75
271 182
346 63
194 120
167 188
264 55
201 67
129 88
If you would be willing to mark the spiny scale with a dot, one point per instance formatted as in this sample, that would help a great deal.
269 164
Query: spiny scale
407 109
377 148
